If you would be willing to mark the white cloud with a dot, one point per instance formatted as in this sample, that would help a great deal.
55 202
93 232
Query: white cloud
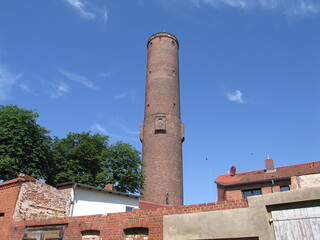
130 95
79 79
102 75
105 15
235 96
7 82
119 96
59 90
288 7
119 122
26 88
87 10
80 7
99 128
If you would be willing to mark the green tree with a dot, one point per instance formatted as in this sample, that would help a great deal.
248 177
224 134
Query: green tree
86 158
78 158
123 164
24 145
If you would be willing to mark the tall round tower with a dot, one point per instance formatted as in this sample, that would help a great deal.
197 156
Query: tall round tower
162 131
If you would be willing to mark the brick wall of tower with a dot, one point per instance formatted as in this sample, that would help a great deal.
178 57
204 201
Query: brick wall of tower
162 130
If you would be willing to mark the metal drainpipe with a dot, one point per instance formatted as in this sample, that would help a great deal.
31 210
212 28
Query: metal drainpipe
73 198
272 184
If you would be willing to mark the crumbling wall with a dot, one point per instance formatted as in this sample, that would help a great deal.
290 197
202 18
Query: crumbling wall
38 200
305 181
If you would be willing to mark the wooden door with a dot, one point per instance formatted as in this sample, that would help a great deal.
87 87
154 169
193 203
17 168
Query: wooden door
301 223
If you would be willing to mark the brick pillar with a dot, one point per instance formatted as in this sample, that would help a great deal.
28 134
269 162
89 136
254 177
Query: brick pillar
162 131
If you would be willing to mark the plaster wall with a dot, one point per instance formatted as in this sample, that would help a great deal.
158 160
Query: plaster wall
234 223
89 202
306 181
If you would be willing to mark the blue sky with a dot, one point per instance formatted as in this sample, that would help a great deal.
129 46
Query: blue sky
249 73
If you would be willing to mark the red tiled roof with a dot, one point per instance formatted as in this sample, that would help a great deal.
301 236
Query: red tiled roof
262 175
21 178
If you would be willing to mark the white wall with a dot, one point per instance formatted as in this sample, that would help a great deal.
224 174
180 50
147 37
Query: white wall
91 201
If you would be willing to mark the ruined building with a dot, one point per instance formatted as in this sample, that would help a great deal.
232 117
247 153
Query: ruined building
162 131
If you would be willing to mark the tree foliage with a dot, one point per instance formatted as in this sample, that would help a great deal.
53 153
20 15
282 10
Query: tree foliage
78 158
123 164
24 145
86 158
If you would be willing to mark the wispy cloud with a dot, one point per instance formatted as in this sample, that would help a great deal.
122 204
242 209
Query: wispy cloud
88 10
7 82
102 75
119 96
131 95
235 96
105 15
80 7
78 79
98 127
25 87
101 129
287 7
59 90
119 122
125 135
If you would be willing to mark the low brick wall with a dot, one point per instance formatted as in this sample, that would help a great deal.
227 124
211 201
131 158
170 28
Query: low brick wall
112 226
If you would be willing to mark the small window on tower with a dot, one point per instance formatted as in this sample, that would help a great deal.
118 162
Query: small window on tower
160 124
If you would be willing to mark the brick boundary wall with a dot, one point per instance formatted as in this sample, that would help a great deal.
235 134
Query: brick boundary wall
111 226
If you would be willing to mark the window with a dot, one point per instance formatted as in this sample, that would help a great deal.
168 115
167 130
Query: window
43 233
160 124
139 233
91 235
129 209
251 192
284 188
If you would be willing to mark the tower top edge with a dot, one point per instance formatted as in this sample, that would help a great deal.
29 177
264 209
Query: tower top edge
163 34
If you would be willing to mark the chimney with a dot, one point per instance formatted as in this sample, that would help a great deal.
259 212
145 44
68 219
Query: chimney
269 165
109 187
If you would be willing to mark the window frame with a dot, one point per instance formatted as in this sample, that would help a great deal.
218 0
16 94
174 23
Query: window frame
251 192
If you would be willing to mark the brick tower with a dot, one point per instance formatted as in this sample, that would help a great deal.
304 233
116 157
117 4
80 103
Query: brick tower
162 131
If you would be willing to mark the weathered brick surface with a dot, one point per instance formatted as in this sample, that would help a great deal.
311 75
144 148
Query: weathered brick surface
112 226
39 200
161 132
8 196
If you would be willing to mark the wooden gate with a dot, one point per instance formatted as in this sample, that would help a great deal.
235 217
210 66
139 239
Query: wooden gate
302 223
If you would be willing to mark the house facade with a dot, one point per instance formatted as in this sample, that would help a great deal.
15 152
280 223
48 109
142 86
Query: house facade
89 200
269 180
